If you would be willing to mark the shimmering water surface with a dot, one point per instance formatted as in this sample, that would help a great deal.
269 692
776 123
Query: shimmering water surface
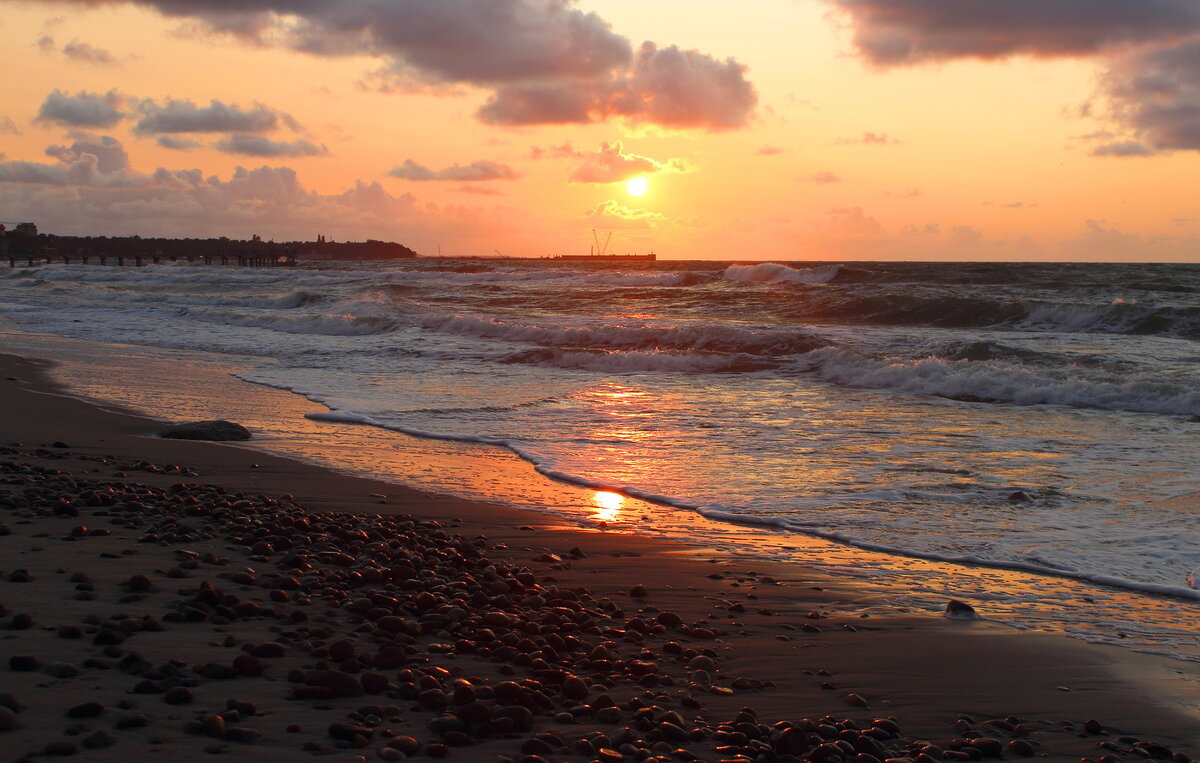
1033 418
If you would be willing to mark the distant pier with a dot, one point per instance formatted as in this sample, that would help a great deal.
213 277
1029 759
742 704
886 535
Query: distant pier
139 260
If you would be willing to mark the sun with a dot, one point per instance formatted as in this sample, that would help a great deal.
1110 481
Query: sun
637 186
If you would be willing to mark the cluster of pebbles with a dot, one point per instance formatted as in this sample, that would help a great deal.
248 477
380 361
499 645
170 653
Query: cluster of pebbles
222 622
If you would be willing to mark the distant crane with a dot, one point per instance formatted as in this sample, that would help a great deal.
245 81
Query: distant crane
601 249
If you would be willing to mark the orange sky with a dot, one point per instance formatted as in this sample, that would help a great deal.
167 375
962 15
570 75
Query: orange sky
773 130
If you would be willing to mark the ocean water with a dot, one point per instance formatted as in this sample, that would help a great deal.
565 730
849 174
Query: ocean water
1033 419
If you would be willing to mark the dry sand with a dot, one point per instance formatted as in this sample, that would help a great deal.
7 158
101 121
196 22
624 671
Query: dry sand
212 599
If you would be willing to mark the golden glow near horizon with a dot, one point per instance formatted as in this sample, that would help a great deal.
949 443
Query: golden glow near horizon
772 134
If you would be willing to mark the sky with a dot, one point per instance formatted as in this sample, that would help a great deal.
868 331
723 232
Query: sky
761 130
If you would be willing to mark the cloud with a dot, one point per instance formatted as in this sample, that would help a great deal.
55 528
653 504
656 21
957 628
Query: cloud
474 172
608 164
82 51
179 116
769 151
545 61
869 138
824 177
110 154
8 127
478 190
668 87
84 109
904 32
613 214
1156 92
565 151
45 43
1151 47
260 145
1123 148
176 143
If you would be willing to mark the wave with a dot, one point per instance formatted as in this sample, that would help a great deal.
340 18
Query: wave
995 383
326 324
919 307
640 362
769 272
703 337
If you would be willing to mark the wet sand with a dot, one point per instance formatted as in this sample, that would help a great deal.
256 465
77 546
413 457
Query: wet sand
168 580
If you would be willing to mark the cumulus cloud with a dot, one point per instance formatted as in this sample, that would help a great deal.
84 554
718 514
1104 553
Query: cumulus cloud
84 109
545 61
669 87
474 172
900 32
176 143
260 145
82 51
110 154
609 164
8 127
1156 92
613 214
183 116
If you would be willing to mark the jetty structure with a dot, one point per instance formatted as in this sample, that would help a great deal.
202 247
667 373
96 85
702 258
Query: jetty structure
23 245
598 252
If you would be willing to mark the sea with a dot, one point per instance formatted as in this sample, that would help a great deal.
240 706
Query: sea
1021 436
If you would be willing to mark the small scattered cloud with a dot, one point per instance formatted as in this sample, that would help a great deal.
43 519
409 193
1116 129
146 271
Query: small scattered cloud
248 144
613 214
905 193
824 177
110 154
183 116
769 151
84 109
565 151
479 190
8 127
86 53
176 143
46 43
1014 204
1123 148
474 172
609 164
869 138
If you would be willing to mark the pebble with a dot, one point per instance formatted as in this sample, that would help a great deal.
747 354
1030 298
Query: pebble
8 719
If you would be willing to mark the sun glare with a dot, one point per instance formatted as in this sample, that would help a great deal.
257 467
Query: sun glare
637 186
608 505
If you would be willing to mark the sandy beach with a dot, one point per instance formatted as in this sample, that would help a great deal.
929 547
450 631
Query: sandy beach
186 599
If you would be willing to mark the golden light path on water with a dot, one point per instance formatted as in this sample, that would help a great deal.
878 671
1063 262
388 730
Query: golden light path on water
608 505
176 385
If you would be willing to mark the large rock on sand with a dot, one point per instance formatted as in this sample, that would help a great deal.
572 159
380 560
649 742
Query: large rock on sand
220 430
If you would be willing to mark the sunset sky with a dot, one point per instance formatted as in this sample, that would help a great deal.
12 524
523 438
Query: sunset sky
766 129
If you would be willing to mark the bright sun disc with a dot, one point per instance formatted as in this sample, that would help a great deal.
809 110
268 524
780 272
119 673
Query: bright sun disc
637 186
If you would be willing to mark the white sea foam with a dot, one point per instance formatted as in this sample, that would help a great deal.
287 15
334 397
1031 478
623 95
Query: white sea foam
999 383
707 337
638 362
770 272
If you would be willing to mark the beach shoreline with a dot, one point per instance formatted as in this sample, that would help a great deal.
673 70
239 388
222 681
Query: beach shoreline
922 669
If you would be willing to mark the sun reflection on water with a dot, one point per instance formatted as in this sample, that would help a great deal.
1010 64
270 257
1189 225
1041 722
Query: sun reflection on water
608 505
